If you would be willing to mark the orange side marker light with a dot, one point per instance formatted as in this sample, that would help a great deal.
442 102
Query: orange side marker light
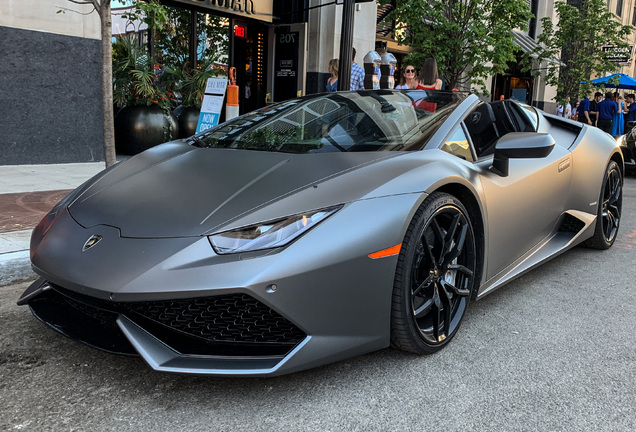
393 250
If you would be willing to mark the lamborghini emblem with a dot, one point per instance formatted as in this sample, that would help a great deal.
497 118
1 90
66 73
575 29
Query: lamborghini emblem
92 241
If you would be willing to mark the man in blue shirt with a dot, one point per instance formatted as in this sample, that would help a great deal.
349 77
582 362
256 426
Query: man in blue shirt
606 109
357 74
584 109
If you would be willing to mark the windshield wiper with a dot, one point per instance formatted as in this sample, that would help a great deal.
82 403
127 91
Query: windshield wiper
197 142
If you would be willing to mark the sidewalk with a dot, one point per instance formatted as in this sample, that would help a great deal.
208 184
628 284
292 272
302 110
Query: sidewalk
27 193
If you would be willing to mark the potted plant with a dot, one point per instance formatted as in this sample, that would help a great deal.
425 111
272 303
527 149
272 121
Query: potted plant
190 85
145 119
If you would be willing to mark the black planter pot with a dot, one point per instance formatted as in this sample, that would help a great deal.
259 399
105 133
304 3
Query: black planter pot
138 128
188 118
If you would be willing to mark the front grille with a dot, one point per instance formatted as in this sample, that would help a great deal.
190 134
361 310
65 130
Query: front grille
234 324
229 318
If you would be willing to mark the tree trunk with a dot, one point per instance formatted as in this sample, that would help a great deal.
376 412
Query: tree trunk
107 83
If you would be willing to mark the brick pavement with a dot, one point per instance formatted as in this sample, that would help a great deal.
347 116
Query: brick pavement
23 211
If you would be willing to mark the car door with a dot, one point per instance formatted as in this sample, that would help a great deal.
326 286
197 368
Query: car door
522 208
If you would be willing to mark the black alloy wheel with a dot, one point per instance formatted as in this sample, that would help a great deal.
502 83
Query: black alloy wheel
609 209
435 276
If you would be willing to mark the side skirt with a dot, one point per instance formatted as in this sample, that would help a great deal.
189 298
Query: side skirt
566 236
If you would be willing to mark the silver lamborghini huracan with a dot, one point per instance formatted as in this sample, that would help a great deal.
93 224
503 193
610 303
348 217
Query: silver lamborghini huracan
320 228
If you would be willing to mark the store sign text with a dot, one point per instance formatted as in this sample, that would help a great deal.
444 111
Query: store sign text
618 54
246 6
256 9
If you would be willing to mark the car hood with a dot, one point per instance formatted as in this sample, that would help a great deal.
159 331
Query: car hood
176 190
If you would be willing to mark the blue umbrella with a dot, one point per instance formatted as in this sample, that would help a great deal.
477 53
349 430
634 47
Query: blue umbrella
624 82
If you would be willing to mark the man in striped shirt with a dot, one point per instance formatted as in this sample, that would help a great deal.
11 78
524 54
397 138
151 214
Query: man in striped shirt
357 74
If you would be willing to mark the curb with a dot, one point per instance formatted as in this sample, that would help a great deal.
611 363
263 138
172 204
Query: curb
15 267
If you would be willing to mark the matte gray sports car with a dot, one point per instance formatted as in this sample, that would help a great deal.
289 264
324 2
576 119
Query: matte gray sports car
319 229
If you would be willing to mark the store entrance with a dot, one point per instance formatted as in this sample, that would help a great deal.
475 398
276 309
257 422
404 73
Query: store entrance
249 41
513 84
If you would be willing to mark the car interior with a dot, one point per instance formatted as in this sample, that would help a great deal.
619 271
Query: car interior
490 121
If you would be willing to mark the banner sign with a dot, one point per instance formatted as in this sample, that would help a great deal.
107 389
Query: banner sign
212 103
618 54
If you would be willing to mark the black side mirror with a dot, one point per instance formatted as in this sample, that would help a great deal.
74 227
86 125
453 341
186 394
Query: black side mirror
520 145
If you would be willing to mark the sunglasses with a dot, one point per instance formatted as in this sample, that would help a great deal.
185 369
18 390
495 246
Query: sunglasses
410 71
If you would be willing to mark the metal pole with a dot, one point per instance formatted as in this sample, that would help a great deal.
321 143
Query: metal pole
193 39
346 45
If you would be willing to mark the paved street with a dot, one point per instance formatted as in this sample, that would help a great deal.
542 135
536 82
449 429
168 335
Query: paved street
552 351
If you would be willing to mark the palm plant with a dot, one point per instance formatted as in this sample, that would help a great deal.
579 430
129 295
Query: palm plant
190 83
134 80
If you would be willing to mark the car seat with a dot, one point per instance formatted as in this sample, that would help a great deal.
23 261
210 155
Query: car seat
482 129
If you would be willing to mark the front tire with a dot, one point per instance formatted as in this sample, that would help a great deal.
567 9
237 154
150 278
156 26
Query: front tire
609 210
435 276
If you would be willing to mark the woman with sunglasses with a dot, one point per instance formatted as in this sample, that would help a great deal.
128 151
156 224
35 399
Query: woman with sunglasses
408 78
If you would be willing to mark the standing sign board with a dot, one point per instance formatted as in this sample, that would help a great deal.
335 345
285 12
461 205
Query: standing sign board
212 103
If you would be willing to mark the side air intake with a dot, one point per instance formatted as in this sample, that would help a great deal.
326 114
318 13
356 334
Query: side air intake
571 224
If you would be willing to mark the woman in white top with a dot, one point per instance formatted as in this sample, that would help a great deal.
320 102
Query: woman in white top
408 78
564 111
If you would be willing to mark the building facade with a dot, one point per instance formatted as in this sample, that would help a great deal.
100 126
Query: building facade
50 73
51 69
625 12
280 49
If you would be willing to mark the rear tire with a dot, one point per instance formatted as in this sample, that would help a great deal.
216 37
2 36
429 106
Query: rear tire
435 276
610 205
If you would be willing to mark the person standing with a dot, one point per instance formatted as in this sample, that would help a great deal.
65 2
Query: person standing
584 110
605 110
408 80
630 110
598 97
357 74
332 82
428 78
574 111
564 111
618 122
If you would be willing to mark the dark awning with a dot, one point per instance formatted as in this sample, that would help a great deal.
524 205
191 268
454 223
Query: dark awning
530 46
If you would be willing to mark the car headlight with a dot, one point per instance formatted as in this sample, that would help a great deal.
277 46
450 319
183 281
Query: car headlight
269 234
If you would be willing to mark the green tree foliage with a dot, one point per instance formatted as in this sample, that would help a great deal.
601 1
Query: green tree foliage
470 39
576 42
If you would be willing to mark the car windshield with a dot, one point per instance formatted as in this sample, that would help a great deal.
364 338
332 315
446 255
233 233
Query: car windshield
381 120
